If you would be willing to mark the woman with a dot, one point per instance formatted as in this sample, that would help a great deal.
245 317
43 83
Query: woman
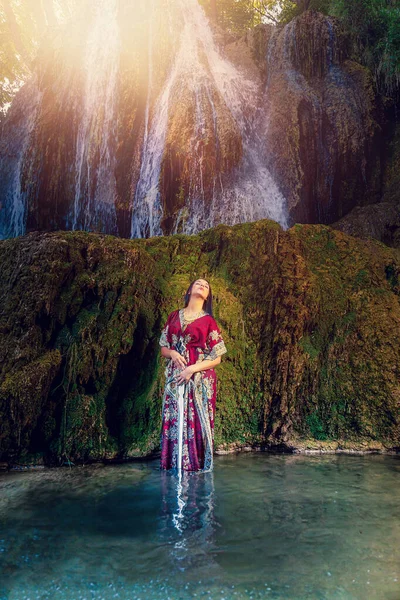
192 341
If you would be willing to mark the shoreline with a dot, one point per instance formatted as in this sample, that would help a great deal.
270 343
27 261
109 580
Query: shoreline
308 447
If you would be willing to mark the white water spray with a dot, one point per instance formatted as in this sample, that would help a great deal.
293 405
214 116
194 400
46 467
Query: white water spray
95 192
249 193
14 162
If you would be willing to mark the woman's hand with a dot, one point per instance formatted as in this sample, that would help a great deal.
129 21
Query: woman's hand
184 375
179 360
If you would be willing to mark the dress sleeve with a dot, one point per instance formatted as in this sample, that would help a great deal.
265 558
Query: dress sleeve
165 338
215 342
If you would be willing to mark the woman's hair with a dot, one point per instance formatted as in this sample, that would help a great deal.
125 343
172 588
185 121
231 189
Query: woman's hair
207 304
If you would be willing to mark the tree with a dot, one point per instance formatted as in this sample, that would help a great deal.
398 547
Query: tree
375 29
23 25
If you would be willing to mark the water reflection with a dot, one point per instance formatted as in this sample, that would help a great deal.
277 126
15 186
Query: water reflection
187 521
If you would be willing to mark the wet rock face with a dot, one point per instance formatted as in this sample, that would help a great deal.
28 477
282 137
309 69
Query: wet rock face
191 166
203 143
315 43
380 221
323 134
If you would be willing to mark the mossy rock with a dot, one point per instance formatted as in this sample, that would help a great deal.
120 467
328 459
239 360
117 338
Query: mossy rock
310 317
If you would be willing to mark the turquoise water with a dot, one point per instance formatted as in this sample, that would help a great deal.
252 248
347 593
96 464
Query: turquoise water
289 527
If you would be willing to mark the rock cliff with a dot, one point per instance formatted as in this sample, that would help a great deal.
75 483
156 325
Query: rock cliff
324 120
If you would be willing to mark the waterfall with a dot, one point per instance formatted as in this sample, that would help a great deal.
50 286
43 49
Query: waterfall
15 164
147 211
184 155
249 193
95 184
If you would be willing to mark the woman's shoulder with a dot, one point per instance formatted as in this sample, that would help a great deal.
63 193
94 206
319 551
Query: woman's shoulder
211 320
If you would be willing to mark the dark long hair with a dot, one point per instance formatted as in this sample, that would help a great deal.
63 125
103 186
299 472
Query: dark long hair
207 304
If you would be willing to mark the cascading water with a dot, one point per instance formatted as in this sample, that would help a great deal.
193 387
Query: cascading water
95 187
147 211
15 161
90 147
246 194
250 192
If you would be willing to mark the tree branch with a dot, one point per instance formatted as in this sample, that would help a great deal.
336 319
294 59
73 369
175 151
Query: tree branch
265 13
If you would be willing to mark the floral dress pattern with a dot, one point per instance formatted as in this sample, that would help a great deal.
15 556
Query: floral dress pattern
201 339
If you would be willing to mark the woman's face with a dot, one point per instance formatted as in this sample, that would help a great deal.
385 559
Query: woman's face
201 288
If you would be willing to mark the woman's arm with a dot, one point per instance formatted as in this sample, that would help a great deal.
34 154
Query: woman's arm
205 364
166 352
200 366
177 358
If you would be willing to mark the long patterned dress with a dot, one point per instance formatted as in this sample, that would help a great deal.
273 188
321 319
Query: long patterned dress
187 436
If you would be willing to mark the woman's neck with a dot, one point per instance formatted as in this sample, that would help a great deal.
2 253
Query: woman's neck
194 306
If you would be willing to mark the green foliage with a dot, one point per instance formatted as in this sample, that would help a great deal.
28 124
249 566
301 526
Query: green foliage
361 279
289 9
234 16
16 48
23 26
375 28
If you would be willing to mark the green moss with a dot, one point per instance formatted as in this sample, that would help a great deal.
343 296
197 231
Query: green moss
308 347
316 427
361 279
392 275
306 314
